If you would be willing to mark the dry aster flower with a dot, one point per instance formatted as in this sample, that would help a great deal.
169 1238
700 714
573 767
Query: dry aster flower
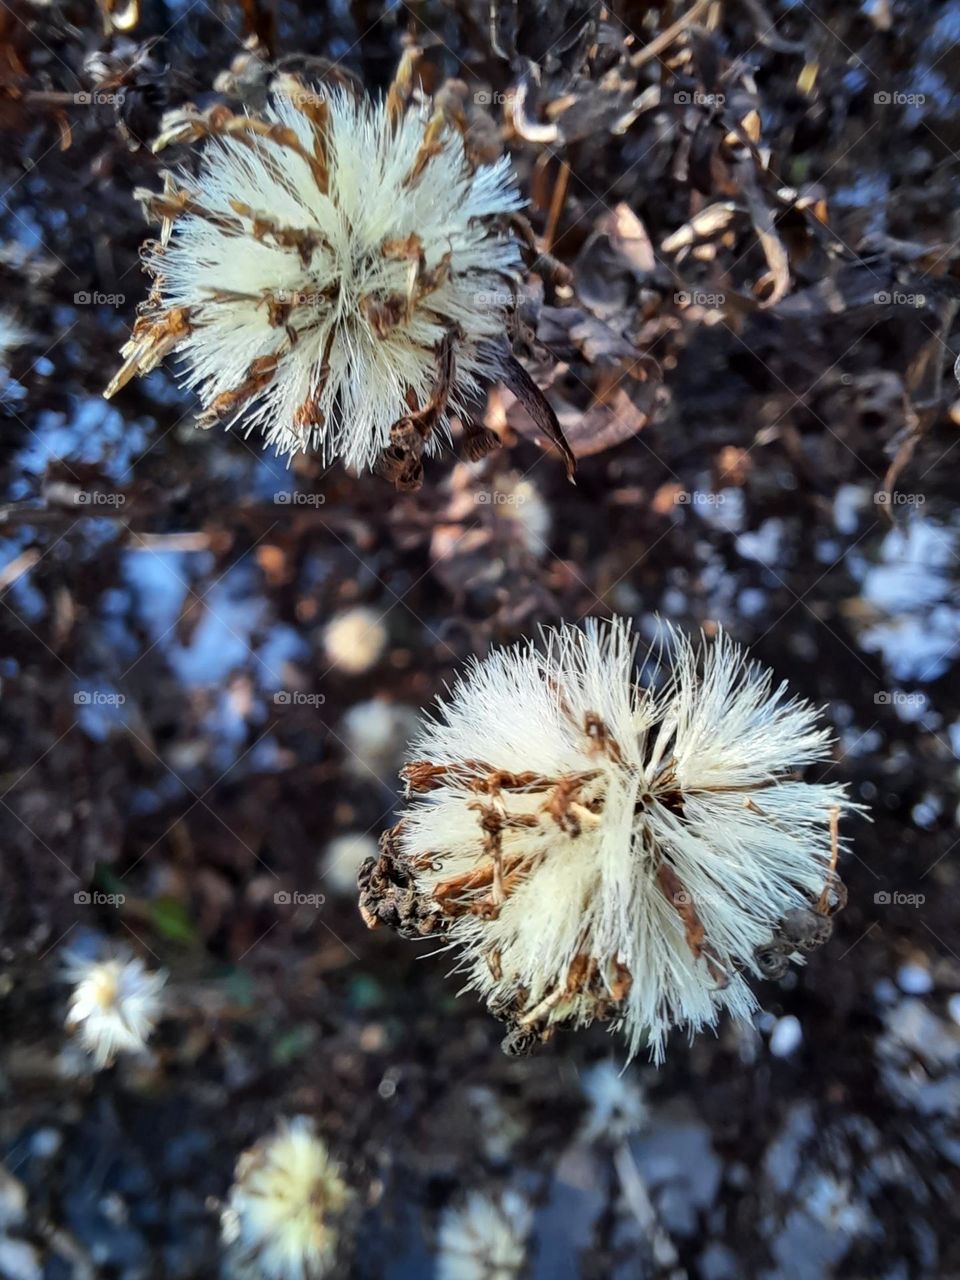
594 849
115 1004
485 1239
281 1219
338 275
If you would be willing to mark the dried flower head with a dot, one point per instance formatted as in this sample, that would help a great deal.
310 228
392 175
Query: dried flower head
280 1222
595 849
115 1004
484 1239
338 274
355 639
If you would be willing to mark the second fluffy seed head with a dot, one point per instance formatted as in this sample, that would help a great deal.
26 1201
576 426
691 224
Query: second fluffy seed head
595 849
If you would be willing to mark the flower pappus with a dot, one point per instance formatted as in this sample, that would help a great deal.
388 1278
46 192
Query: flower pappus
115 1004
334 276
280 1222
594 849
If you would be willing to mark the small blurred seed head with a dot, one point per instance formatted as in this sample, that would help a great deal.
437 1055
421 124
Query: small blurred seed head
485 1238
375 733
354 640
519 500
342 860
281 1218
12 336
115 1004
616 1107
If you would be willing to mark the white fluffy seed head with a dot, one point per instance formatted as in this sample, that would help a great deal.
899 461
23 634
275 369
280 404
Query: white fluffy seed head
485 1238
594 849
280 1222
355 639
311 272
115 1004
